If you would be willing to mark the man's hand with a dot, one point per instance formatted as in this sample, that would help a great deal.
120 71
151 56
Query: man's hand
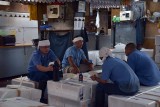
75 70
50 68
91 66
94 77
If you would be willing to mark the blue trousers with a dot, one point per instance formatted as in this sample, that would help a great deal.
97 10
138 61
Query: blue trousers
103 90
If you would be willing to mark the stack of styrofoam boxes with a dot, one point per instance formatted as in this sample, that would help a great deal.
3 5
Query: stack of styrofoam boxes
157 45
147 97
69 93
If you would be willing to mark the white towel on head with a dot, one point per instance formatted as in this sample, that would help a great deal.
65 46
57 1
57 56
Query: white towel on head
104 52
77 39
43 43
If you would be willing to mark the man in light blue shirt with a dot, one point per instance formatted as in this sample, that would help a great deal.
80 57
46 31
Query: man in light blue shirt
73 57
143 66
39 69
124 80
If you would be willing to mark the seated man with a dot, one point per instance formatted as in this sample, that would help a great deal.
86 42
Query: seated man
124 80
39 69
143 66
73 56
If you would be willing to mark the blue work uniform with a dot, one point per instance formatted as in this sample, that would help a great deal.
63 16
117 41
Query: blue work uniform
144 67
38 58
119 72
76 54
124 81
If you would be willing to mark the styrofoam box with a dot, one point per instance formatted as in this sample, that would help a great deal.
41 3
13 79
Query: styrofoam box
25 82
157 39
7 93
148 51
114 101
146 88
120 55
157 58
25 92
62 102
91 84
94 56
150 97
158 49
69 90
20 102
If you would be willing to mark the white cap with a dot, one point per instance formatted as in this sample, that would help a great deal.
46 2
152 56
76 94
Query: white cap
104 52
43 43
77 39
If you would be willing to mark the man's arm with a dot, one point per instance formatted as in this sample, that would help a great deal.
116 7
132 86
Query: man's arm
44 69
72 64
58 61
90 65
95 78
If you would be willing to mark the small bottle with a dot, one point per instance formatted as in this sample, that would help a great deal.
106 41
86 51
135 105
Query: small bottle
80 77
56 72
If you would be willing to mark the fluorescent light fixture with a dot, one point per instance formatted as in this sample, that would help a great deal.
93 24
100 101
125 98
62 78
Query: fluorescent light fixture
4 3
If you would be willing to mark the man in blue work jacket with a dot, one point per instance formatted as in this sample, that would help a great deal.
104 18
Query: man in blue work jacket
39 67
143 66
123 79
73 57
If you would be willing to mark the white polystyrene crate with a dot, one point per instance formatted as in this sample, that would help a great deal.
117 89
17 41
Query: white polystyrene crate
62 102
92 87
157 90
20 102
24 82
7 93
158 49
148 51
146 88
120 55
116 101
153 93
69 90
157 58
92 57
149 96
15 90
157 40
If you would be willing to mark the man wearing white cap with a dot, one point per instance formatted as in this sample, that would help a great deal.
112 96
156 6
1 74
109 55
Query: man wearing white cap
73 57
124 80
39 67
